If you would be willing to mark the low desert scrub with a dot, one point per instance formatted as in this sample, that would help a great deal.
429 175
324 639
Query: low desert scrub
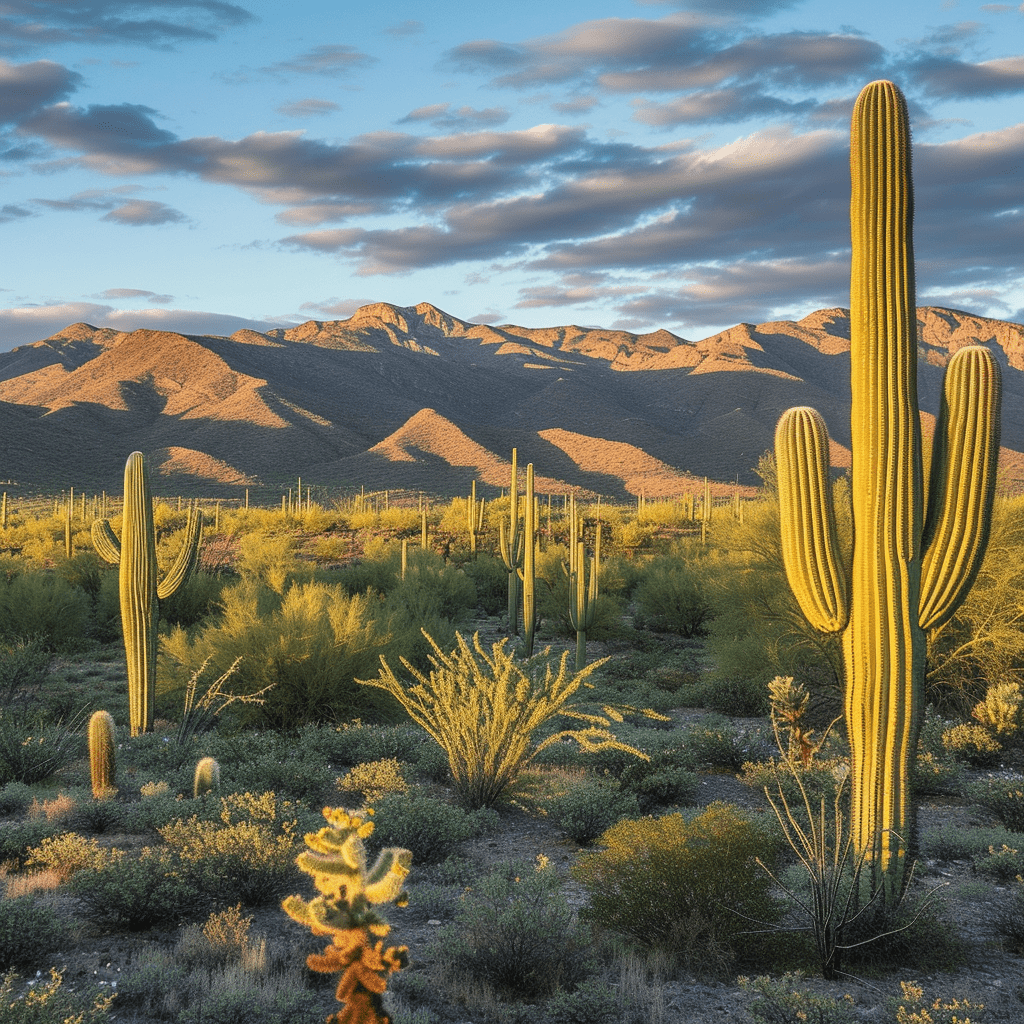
484 708
47 1002
69 853
31 751
1004 798
590 806
688 887
24 664
514 932
430 828
29 931
672 595
954 842
373 780
788 1001
912 1006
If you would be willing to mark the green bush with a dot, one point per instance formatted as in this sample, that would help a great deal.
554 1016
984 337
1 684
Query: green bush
690 888
308 644
196 599
140 892
594 1001
49 1003
15 798
1001 863
715 742
591 806
24 665
46 606
666 779
954 842
29 931
672 595
31 752
491 581
18 837
1004 798
429 827
516 932
786 1001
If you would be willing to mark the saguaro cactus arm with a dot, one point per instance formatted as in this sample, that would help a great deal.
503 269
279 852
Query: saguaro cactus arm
963 481
105 541
187 559
810 545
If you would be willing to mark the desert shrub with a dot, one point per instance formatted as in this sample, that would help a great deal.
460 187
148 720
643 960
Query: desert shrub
67 854
715 742
355 743
786 1001
593 1001
591 806
243 862
44 605
688 887
1003 797
912 1006
429 827
672 595
1002 710
150 814
32 751
14 798
233 998
271 561
29 931
1001 863
295 772
307 644
484 708
372 780
1009 921
740 695
48 1003
972 743
449 591
553 598
932 775
139 892
954 842
24 664
194 601
18 837
821 780
667 778
491 581
516 932
428 900
105 815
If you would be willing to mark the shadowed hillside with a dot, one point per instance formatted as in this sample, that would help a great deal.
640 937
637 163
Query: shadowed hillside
412 397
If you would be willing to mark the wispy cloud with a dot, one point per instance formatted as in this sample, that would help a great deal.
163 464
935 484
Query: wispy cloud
409 27
332 60
441 115
135 293
29 24
145 213
308 108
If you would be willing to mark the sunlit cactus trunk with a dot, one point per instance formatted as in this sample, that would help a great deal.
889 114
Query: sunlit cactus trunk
135 553
910 570
511 547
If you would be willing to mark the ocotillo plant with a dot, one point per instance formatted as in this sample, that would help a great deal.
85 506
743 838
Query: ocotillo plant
511 547
140 592
346 911
102 756
911 566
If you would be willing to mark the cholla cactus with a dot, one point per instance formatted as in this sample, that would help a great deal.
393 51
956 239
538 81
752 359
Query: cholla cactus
346 912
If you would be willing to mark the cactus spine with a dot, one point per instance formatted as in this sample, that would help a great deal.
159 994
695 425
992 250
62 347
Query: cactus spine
102 757
511 547
911 568
140 591
207 777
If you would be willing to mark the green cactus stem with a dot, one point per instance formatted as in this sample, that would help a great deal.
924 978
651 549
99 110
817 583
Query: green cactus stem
102 756
528 574
346 911
207 777
911 566
511 547
135 553
583 593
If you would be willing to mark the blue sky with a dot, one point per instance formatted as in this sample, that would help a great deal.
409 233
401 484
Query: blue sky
203 165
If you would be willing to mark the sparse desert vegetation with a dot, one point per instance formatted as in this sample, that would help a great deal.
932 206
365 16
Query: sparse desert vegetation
594 883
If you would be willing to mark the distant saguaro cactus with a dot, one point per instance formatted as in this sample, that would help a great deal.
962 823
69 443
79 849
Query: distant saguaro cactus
911 567
511 547
140 592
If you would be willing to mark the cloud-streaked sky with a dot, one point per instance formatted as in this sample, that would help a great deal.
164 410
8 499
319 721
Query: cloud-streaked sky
204 165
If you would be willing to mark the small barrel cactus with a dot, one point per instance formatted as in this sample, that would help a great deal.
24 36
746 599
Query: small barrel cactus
102 756
207 778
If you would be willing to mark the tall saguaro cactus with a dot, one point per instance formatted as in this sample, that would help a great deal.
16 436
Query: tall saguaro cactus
140 591
911 566
511 547
527 572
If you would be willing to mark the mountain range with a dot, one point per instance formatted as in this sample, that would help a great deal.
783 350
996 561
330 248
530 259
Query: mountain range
414 398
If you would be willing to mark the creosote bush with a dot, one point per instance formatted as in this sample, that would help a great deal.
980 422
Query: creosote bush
691 888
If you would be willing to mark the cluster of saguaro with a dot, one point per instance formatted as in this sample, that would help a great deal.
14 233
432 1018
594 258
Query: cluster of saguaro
102 754
346 911
911 566
582 593
135 553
